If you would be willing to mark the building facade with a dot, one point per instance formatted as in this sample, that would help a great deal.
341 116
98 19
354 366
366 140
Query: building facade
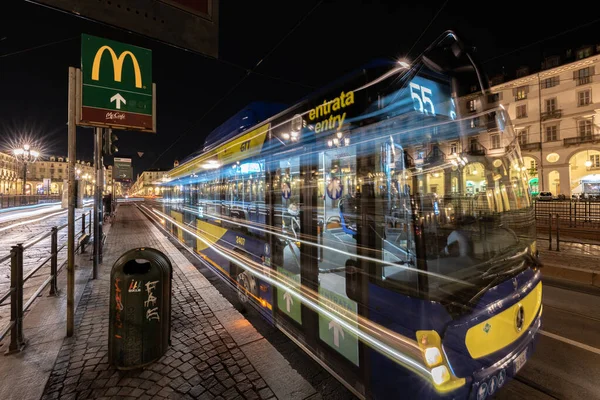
148 183
555 113
47 176
10 177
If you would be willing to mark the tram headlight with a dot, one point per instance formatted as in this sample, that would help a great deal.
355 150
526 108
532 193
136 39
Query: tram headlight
440 375
433 356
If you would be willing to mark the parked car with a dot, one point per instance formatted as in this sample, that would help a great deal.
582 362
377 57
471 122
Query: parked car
545 196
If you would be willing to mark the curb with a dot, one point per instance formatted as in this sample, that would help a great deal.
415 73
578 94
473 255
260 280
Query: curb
581 276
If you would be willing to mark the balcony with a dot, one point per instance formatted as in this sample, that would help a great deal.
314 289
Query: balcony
584 80
551 115
435 156
531 146
582 139
476 149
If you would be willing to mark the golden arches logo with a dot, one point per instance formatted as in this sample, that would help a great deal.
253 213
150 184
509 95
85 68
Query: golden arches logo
117 65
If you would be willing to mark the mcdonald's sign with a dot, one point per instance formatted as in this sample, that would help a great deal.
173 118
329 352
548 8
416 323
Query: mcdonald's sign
116 85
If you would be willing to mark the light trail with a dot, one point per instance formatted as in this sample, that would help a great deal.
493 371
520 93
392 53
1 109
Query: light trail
31 220
316 303
26 214
18 214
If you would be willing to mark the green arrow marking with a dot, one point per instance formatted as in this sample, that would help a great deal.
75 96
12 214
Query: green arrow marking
286 301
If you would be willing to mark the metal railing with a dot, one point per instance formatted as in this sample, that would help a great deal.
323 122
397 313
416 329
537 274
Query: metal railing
15 200
17 280
571 213
531 146
581 139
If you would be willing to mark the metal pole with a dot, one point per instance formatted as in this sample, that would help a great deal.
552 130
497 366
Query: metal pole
17 340
98 201
90 224
97 145
557 233
24 176
71 213
54 262
83 224
550 232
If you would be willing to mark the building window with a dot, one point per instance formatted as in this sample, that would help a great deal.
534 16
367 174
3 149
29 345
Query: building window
584 53
523 71
584 127
522 111
493 98
495 141
453 148
551 133
533 165
550 82
523 137
584 98
551 62
474 122
583 76
595 159
521 93
472 106
550 105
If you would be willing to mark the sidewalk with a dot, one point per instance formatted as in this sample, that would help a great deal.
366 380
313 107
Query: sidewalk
215 354
575 262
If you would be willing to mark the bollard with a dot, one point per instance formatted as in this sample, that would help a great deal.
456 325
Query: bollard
17 341
557 233
54 262
570 211
550 232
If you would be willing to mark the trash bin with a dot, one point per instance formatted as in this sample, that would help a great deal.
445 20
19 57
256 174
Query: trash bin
140 308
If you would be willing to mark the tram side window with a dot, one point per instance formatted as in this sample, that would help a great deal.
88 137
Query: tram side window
399 242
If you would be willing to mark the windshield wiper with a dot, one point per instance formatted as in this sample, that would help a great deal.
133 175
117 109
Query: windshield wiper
497 264
498 277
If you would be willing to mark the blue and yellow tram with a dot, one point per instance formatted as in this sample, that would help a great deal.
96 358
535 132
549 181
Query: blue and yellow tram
383 224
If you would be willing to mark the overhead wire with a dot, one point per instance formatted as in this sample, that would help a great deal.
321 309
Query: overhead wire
543 40
235 86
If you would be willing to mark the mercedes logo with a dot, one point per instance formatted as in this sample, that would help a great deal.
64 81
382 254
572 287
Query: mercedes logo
520 318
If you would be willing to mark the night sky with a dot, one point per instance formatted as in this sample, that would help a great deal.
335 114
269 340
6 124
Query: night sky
335 38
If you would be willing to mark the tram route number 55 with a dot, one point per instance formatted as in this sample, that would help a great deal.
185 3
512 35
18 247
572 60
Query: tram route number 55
419 94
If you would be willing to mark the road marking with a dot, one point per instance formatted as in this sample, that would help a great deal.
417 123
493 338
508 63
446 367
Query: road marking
571 342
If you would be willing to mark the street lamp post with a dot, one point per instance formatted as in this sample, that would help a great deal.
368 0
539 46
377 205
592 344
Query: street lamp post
26 155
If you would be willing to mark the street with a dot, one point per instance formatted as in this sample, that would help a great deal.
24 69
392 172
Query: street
566 363
26 226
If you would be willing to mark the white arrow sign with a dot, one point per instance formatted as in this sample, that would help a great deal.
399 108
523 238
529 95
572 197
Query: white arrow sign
288 301
118 99
337 329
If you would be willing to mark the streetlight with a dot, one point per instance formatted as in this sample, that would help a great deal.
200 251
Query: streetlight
26 155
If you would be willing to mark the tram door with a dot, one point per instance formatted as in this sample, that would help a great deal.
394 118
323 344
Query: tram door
286 249
338 186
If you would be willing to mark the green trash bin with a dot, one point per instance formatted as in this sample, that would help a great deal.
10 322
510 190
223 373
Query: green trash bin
140 308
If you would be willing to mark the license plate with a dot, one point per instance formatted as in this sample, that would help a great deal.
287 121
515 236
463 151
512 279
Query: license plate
520 361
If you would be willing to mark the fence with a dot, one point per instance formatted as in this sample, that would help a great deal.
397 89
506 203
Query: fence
17 281
7 201
574 214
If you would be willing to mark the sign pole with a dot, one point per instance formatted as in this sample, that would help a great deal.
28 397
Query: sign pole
97 200
71 203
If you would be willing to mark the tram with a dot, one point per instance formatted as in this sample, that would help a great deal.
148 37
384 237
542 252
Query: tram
383 224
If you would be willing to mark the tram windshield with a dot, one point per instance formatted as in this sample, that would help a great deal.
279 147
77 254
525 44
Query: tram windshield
459 209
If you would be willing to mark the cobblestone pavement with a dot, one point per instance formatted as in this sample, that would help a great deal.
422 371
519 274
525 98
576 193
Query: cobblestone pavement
204 361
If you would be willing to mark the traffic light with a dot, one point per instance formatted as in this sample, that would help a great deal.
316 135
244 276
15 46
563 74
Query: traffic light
109 142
